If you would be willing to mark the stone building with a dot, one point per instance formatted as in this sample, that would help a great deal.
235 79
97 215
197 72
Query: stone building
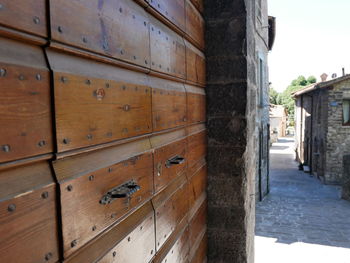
323 128
278 122
239 34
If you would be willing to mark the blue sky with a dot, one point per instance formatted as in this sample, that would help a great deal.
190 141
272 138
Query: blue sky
313 37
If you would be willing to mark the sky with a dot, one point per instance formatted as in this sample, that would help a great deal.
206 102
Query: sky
312 37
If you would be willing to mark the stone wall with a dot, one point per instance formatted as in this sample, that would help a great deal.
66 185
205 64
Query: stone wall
338 136
233 122
346 178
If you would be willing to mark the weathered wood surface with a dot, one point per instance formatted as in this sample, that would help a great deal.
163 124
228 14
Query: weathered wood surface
118 28
143 239
168 53
99 103
168 104
28 215
195 65
170 208
25 110
198 4
196 145
84 217
198 223
28 16
197 187
194 25
173 10
196 104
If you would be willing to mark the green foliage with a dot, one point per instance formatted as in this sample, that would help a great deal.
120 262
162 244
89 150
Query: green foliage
285 98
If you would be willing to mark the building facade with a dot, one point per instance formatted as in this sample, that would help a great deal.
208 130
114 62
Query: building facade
278 122
323 128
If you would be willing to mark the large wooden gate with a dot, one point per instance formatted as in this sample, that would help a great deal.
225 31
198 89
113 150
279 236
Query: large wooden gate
102 131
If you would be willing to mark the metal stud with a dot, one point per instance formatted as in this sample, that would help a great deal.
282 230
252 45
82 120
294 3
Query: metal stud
94 228
66 141
133 16
89 137
60 29
110 169
38 77
6 148
121 10
70 188
45 195
129 239
3 72
42 143
109 134
64 79
121 52
145 23
36 20
48 256
107 85
114 254
87 82
74 243
21 77
146 62
134 57
11 208
152 252
85 40
91 177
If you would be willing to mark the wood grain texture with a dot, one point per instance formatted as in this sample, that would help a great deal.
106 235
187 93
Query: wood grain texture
197 187
83 217
118 28
137 246
197 149
91 111
28 16
196 104
169 107
195 65
167 50
198 252
198 224
25 110
102 245
170 213
29 231
194 25
198 4
173 10
164 174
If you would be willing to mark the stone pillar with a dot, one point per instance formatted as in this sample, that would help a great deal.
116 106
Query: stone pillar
232 134
346 178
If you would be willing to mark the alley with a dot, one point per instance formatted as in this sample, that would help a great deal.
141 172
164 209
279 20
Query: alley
301 220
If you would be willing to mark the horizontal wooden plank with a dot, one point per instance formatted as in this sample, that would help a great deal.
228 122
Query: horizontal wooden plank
83 214
196 104
28 16
101 245
195 65
198 4
25 109
194 25
168 104
197 149
173 10
118 28
197 187
198 253
28 227
167 50
198 223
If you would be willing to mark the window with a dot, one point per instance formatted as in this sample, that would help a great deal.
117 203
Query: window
346 112
261 82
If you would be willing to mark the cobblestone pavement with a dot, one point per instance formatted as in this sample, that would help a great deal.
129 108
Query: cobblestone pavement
301 220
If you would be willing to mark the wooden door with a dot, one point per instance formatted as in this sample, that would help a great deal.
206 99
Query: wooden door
103 139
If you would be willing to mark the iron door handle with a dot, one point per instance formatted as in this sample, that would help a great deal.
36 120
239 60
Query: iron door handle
174 161
122 191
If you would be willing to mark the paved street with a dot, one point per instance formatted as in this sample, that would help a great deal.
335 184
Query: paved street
301 220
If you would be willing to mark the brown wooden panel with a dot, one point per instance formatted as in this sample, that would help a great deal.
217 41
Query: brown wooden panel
196 104
28 16
98 103
170 213
163 172
197 148
117 28
173 10
83 215
197 186
167 50
137 246
200 254
168 104
141 241
179 251
194 24
195 64
198 4
25 114
198 223
28 219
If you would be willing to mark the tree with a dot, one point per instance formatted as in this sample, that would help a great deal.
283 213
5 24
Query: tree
273 96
